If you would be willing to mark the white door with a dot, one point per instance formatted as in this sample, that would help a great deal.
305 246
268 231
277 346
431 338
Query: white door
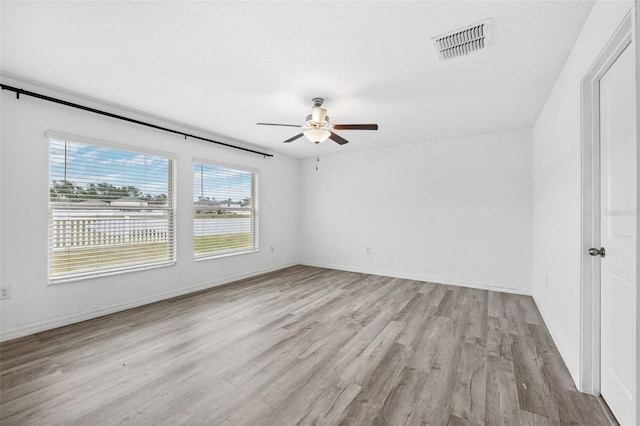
618 233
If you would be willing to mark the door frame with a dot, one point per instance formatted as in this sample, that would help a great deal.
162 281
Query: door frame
590 206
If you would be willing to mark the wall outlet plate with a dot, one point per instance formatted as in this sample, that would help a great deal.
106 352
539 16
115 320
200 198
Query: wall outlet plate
5 292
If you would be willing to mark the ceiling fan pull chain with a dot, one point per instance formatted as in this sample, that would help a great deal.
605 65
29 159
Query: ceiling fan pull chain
317 155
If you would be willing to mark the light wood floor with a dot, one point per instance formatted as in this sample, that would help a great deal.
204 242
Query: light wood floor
300 346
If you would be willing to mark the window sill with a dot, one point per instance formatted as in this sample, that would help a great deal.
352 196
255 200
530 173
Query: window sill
94 275
221 255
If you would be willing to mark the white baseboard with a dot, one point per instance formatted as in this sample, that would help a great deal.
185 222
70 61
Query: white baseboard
575 375
83 316
419 277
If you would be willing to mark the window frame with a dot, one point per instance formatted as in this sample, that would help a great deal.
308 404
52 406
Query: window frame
255 210
171 209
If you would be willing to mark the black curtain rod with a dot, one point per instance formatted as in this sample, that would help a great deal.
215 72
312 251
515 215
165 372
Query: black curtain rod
120 117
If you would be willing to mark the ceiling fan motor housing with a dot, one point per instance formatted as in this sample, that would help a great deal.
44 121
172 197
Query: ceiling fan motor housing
318 117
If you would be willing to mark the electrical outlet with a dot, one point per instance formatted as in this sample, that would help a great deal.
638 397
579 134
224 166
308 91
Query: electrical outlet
5 292
368 250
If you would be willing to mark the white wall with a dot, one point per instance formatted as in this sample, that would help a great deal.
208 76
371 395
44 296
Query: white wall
556 189
451 211
34 306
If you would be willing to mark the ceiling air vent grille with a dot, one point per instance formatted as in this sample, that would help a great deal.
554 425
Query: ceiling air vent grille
464 40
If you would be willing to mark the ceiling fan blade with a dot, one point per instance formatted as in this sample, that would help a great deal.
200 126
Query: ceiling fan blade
293 138
276 124
338 139
355 126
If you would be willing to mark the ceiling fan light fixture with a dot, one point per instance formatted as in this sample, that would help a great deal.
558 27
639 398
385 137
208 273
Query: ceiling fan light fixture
317 135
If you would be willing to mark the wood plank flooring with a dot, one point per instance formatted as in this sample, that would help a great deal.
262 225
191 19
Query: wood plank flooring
300 346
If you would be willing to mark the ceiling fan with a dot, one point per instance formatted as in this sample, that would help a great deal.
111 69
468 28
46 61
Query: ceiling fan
318 127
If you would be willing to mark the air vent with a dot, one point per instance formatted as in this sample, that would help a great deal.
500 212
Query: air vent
464 40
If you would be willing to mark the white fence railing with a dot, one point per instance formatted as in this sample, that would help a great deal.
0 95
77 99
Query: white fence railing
68 231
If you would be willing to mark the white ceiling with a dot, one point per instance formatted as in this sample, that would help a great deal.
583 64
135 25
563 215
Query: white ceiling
223 66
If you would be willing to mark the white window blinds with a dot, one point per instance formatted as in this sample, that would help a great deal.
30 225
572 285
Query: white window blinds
225 210
110 210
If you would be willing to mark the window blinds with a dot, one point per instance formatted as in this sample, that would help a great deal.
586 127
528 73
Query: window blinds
225 207
110 210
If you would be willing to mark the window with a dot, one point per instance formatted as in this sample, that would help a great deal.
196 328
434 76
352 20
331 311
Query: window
110 210
225 210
